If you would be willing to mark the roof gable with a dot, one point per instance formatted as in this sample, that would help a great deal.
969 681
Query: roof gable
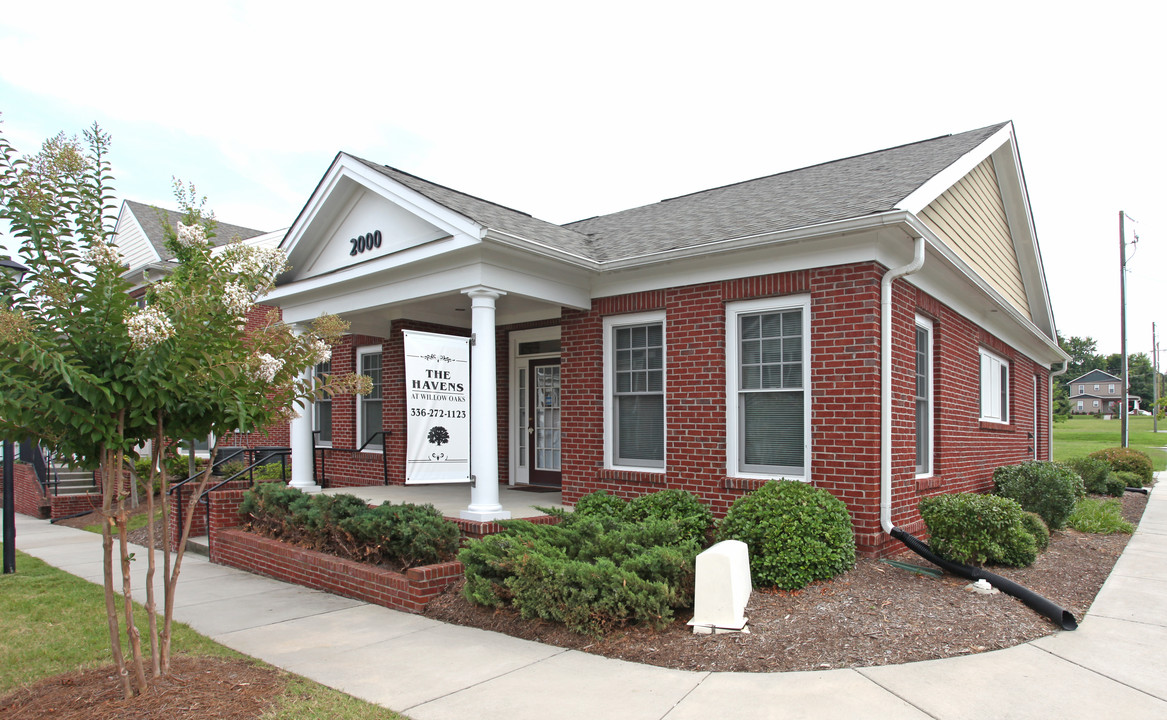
150 219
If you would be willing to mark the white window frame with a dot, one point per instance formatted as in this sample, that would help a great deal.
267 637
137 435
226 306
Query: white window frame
1081 405
732 369
928 468
1111 390
360 437
316 408
610 324
994 398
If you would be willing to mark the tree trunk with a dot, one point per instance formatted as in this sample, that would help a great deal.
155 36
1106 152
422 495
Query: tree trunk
111 612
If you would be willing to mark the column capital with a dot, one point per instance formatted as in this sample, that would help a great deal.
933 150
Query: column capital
483 292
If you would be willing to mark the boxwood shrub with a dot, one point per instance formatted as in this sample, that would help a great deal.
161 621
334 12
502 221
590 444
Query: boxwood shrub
398 536
796 534
1129 479
1097 477
980 529
1043 487
1128 460
693 518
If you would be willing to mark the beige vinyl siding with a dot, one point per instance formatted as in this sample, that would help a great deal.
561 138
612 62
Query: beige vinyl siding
970 218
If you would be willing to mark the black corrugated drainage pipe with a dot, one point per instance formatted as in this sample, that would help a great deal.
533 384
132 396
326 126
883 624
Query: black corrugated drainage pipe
1062 618
1138 490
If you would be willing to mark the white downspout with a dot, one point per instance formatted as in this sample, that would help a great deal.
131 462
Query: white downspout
885 382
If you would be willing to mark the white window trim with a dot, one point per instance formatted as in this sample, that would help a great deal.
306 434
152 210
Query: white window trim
926 323
315 425
359 425
611 322
994 387
732 437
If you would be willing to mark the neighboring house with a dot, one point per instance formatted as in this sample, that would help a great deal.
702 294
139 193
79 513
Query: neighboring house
1098 392
709 342
140 237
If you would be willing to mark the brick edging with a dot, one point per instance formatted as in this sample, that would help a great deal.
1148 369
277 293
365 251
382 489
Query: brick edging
408 591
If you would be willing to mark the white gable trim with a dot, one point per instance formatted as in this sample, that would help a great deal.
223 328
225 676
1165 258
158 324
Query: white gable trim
346 167
141 245
923 196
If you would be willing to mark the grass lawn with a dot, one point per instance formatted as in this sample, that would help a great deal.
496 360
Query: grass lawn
52 623
1083 434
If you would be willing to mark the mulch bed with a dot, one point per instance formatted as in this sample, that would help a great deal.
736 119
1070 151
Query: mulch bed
875 614
197 688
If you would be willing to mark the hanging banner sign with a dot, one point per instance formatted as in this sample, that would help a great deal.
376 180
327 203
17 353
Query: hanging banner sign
437 406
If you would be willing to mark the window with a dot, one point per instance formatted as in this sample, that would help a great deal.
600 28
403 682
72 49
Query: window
1095 403
1111 388
322 410
994 387
369 406
1095 387
1081 389
768 408
1080 408
635 383
923 396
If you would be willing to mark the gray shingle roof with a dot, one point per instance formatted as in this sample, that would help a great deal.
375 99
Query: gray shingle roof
150 218
839 190
490 214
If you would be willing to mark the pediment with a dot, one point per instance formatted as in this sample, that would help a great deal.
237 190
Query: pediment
358 218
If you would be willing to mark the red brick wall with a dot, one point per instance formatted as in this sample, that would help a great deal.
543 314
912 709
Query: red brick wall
408 591
28 497
845 397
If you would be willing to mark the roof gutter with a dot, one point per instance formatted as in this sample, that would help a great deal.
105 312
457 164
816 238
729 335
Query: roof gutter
889 279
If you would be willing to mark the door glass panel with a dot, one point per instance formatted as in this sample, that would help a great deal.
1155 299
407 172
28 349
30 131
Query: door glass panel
521 404
547 429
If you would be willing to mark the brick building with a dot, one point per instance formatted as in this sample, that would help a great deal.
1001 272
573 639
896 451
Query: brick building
878 326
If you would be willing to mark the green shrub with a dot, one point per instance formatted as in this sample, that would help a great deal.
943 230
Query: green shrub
692 517
1127 460
1094 473
1046 488
601 505
1129 479
979 529
1036 527
230 468
400 536
796 534
270 471
592 574
1099 516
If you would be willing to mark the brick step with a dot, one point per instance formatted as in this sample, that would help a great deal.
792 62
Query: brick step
199 545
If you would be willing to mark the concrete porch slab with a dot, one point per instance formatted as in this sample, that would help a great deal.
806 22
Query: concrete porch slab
451 499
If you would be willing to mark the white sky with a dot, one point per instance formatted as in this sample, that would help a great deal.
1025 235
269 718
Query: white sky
567 110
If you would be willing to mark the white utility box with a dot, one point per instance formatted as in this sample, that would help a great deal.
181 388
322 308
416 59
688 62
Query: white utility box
723 588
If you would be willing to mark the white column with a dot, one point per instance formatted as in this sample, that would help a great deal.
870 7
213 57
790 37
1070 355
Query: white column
301 441
484 505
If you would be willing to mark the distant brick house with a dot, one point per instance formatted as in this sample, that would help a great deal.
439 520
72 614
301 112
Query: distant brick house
707 342
1098 392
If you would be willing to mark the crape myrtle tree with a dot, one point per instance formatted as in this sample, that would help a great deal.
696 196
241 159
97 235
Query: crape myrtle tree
93 374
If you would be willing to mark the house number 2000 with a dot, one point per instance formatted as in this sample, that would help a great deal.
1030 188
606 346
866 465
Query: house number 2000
365 242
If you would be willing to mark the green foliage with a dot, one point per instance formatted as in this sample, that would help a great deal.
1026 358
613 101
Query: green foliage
1099 516
600 504
230 469
400 536
693 518
1127 460
1046 488
979 529
1129 479
593 573
1097 477
270 471
796 534
1036 527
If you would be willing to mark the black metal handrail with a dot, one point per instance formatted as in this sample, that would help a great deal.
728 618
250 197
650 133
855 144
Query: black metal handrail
257 455
260 456
321 479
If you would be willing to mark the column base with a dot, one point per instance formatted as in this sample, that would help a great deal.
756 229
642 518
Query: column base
310 489
485 515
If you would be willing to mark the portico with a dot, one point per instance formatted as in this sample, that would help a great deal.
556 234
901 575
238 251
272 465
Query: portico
388 252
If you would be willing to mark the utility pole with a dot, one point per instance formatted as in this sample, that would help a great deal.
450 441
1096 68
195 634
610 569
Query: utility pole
1122 324
1155 377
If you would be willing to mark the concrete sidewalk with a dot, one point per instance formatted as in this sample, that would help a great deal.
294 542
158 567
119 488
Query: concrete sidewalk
427 670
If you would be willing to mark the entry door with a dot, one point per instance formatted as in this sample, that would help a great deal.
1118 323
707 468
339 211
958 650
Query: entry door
544 428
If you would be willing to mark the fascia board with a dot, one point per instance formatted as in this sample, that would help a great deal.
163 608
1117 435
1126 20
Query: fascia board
506 239
923 196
